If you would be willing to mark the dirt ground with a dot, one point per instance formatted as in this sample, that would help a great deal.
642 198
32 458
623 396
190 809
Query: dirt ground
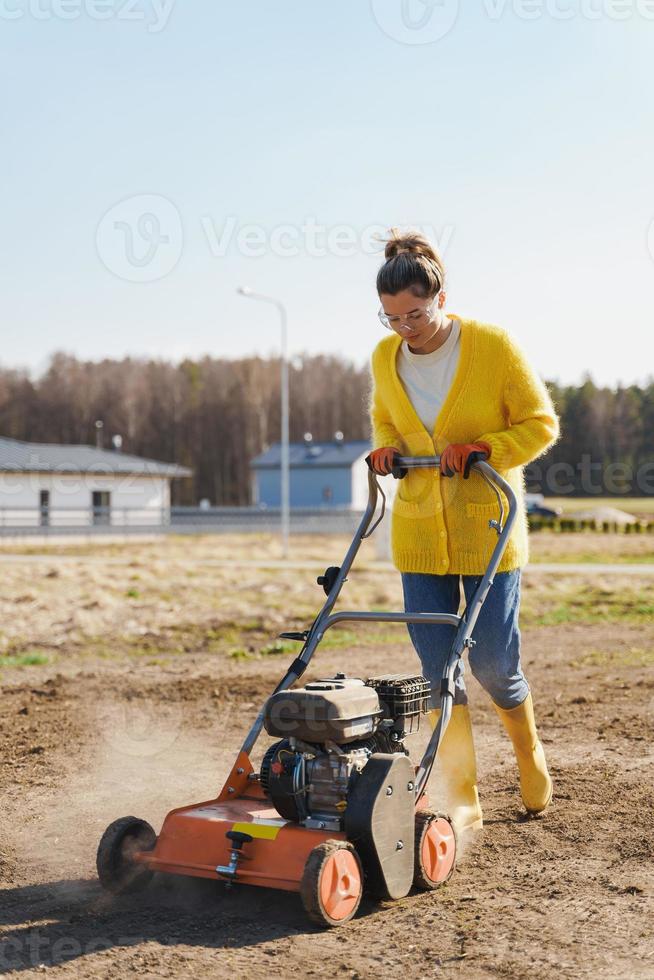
127 687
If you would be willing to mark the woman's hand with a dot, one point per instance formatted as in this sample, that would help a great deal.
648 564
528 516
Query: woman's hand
458 457
381 460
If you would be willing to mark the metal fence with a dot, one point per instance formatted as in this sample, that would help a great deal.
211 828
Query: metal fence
303 520
53 521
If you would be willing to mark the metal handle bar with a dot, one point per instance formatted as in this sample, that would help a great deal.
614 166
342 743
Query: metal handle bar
463 637
463 625
491 476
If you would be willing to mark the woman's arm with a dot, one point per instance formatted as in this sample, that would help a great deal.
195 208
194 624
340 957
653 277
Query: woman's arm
533 424
384 433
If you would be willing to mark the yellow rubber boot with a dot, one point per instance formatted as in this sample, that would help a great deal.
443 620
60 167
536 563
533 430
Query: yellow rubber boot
535 781
458 765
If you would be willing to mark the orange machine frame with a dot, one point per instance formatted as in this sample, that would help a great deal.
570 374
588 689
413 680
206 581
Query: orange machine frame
193 838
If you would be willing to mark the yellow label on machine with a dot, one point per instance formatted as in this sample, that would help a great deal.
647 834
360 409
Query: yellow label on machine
266 831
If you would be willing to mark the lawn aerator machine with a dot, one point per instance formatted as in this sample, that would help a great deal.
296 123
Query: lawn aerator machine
336 806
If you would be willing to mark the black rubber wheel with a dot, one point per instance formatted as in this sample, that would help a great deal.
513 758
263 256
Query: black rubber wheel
117 872
332 884
435 850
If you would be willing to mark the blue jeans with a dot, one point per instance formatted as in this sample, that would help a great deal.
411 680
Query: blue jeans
495 659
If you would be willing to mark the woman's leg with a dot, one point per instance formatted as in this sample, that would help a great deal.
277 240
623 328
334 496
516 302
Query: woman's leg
495 662
433 642
456 752
495 658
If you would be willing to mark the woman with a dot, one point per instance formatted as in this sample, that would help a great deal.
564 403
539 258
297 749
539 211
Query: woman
458 388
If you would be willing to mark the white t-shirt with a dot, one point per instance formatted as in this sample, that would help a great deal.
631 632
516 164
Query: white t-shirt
427 378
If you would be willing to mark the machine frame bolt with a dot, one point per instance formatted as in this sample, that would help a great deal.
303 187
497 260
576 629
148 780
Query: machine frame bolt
230 789
389 791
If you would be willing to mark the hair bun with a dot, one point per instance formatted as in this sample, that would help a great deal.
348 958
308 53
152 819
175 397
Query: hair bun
412 262
412 242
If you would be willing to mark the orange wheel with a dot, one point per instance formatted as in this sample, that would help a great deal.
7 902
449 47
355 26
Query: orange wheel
435 853
332 883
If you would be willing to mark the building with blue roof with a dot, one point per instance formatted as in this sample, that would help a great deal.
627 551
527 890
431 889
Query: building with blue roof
330 474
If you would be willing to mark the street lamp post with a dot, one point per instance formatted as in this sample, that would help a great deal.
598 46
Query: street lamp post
285 482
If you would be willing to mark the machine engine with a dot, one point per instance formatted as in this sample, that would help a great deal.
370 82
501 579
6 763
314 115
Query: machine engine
329 729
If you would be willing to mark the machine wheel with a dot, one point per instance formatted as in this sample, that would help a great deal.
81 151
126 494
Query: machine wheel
332 883
435 850
117 872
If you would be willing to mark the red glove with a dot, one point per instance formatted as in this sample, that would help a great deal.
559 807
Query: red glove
381 460
459 457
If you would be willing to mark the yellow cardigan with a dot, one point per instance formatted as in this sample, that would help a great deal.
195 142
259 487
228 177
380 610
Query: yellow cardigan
440 525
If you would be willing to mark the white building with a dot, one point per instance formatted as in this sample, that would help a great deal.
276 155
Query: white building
77 486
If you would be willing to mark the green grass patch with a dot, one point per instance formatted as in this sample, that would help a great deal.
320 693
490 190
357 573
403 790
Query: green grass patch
385 634
337 638
587 604
239 653
279 646
170 641
581 557
32 659
632 657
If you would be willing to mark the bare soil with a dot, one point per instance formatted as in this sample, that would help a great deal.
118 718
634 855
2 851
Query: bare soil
146 689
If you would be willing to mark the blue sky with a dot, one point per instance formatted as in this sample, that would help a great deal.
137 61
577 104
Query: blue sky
157 158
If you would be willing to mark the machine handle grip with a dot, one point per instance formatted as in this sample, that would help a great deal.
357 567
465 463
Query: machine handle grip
399 472
479 456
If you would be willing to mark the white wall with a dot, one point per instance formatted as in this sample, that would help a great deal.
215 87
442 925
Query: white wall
135 500
382 534
360 483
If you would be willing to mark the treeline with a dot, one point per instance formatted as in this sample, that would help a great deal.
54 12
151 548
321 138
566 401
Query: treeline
214 415
606 445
